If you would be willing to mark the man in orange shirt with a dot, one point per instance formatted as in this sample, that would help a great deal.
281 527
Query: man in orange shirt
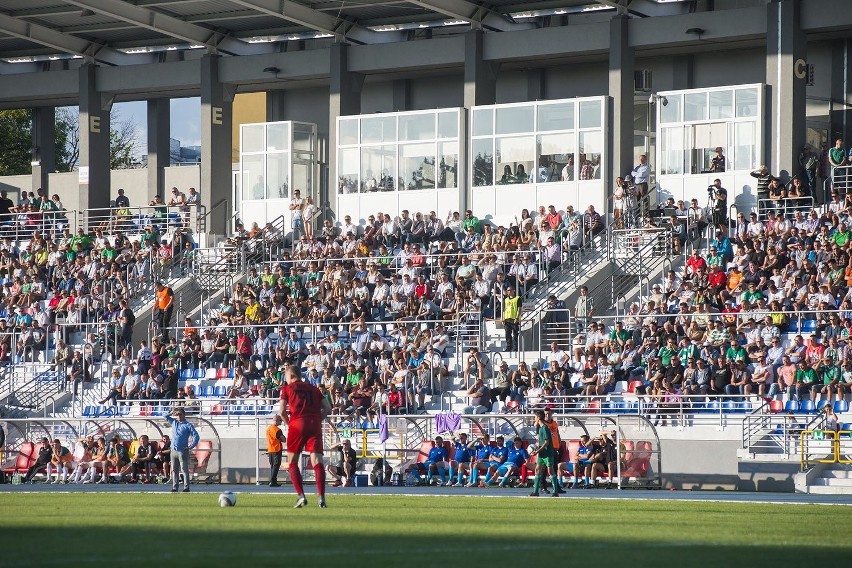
163 307
274 447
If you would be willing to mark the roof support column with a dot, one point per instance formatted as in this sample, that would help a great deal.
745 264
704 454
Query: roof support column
159 154
786 76
94 142
480 77
216 140
275 105
620 145
841 92
344 100
44 146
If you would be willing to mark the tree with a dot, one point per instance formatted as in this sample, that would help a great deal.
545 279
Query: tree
16 142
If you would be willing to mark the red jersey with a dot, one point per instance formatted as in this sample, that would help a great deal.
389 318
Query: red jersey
303 400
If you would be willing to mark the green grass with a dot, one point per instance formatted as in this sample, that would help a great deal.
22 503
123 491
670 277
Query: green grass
384 531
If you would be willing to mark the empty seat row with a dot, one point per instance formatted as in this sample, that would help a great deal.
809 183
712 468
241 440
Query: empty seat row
206 374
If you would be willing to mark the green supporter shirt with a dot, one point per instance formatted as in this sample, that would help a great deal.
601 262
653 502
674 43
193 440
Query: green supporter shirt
840 239
736 354
472 222
830 374
666 355
836 155
352 379
806 376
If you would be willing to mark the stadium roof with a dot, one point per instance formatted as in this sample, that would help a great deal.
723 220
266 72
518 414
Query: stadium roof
110 30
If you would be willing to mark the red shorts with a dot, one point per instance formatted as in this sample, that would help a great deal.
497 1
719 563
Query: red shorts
305 434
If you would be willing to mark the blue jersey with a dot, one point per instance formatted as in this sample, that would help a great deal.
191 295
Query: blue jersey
437 454
584 452
483 452
499 454
517 457
462 454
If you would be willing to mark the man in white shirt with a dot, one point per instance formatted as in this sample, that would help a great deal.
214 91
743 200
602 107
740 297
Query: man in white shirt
640 174
296 205
558 355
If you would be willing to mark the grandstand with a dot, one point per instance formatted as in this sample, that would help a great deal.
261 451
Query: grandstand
668 286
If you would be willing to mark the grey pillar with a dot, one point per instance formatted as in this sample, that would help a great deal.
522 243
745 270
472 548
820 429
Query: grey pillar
44 146
94 142
536 84
621 110
480 77
401 95
344 100
216 143
159 155
275 105
786 76
841 92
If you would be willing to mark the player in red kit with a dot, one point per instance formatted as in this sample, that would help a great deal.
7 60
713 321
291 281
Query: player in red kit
307 409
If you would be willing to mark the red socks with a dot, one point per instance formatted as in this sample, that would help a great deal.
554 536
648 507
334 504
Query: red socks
296 478
319 475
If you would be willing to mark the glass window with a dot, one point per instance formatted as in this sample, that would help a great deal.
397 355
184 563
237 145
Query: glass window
695 106
302 177
705 139
483 121
378 129
511 120
252 138
254 182
721 104
670 108
556 117
378 168
515 159
448 124
348 131
417 127
417 166
591 147
482 150
277 186
671 151
303 138
555 153
448 168
745 146
590 114
746 102
347 170
277 137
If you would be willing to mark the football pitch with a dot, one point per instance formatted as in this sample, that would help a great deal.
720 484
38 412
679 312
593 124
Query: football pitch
144 529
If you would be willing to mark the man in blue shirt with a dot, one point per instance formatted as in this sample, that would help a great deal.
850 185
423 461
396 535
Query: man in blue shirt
461 459
517 456
482 459
437 461
184 438
640 174
498 458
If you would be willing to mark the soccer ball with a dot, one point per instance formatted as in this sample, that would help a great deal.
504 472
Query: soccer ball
531 448
227 499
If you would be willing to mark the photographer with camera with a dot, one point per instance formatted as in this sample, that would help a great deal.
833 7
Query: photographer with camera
718 197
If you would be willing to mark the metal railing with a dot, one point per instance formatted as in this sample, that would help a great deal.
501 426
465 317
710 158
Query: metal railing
19 227
786 207
841 179
131 220
823 446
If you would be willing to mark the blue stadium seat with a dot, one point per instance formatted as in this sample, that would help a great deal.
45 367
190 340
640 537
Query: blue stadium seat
124 410
207 391
743 406
713 407
187 374
614 407
199 373
806 407
88 411
729 407
822 404
841 406
220 391
791 406
231 372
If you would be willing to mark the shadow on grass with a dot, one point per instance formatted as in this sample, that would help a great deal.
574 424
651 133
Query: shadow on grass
357 545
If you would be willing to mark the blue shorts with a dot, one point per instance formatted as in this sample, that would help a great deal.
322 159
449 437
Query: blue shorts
584 462
493 463
506 468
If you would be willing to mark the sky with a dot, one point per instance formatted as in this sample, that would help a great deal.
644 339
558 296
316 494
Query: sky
185 121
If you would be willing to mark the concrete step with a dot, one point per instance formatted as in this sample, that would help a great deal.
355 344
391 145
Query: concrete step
829 490
832 482
837 474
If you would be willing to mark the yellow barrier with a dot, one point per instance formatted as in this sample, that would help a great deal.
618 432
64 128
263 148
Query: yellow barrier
808 437
844 457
